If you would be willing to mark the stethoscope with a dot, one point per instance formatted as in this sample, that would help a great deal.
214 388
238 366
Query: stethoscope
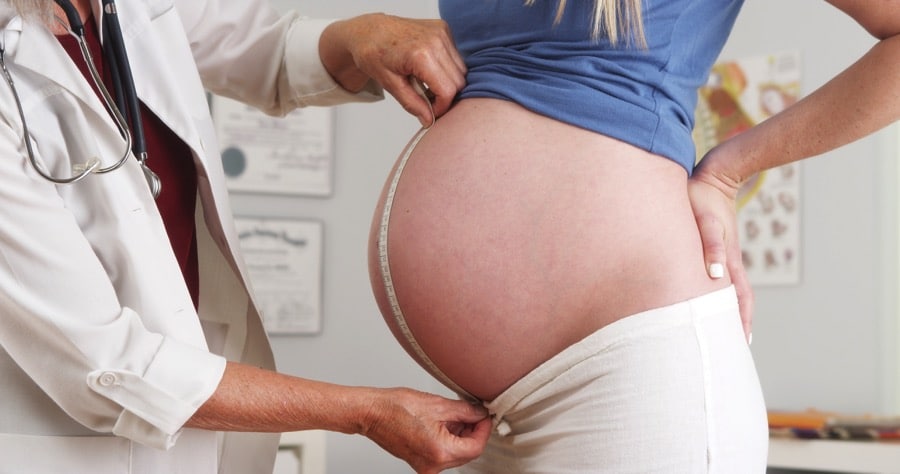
125 103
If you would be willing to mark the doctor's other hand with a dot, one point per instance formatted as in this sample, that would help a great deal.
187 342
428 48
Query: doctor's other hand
713 199
431 433
391 49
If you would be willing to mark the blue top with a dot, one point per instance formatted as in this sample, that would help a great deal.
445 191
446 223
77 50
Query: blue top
645 97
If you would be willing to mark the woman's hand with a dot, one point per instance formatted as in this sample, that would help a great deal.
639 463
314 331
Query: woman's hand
390 50
429 432
713 199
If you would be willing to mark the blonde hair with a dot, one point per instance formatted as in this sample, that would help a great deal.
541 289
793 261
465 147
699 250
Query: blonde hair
612 17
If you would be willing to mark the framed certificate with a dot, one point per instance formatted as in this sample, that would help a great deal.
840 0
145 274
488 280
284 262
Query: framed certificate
284 259
277 155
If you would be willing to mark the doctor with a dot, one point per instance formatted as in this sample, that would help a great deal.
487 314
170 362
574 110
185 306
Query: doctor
129 342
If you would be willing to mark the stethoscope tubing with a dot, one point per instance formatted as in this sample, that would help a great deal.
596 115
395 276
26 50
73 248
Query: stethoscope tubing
77 29
122 76
123 81
126 102
117 108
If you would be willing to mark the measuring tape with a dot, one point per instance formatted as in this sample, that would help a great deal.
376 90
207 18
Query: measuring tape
384 263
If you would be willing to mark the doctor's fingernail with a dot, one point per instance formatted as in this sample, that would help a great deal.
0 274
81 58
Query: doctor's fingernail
716 270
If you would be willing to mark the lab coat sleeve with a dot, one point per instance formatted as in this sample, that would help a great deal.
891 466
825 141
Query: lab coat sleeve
247 51
61 320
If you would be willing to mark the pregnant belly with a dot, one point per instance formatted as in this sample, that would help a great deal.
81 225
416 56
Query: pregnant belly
512 236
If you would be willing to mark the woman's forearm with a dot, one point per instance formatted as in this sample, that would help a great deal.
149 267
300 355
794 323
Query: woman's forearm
861 100
253 399
429 432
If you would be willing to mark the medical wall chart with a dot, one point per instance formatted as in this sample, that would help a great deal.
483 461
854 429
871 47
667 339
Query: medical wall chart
738 95
276 155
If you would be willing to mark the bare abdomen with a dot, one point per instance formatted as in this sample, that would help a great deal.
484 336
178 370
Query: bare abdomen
512 236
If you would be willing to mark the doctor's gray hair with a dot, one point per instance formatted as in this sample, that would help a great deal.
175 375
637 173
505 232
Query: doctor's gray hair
33 9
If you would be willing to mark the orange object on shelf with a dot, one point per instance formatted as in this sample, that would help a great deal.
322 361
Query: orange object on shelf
811 419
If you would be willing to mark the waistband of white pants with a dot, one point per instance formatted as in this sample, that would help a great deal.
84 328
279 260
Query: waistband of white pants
687 312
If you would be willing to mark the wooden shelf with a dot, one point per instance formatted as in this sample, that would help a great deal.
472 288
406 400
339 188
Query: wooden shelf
835 456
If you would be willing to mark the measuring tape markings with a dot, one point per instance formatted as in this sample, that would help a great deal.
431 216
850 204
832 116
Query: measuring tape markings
384 263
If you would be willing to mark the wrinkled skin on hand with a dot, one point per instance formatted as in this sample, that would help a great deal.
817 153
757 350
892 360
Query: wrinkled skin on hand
429 432
390 50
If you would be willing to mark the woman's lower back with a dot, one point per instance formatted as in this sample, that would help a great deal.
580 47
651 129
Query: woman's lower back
513 236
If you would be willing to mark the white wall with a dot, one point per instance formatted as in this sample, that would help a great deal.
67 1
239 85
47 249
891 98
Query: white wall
817 344
823 343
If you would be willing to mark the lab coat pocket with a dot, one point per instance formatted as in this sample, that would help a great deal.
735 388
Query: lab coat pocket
67 134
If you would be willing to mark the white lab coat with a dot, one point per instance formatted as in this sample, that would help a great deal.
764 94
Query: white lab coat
102 355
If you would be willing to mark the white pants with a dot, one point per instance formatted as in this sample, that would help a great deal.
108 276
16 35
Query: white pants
671 390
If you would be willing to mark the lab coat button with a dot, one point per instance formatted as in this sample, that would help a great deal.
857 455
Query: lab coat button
108 379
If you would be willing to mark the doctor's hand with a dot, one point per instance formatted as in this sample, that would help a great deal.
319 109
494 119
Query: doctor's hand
390 50
713 198
429 432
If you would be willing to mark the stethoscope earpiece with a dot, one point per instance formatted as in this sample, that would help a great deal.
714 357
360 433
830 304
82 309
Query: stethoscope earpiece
74 19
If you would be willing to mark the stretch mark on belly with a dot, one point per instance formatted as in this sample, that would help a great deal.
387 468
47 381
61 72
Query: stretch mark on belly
385 266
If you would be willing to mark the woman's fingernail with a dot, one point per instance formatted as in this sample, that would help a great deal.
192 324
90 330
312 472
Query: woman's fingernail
750 339
716 270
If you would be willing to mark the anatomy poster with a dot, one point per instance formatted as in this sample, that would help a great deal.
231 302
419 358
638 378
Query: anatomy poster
738 95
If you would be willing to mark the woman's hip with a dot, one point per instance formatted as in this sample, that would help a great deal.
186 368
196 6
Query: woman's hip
673 389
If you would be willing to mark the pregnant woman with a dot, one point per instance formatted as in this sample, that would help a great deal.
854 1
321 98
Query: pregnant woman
536 250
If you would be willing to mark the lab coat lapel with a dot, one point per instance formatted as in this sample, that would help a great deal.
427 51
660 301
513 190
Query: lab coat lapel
29 50
168 83
165 83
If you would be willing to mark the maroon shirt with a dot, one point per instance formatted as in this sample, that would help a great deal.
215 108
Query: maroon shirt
168 156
